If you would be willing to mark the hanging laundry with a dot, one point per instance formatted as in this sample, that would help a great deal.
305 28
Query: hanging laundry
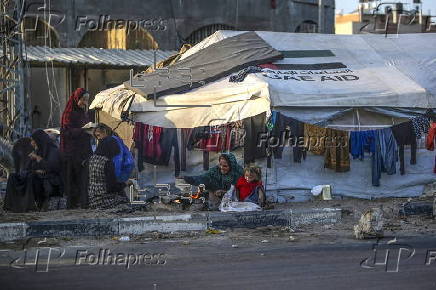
430 137
405 135
385 154
237 133
206 138
271 121
240 75
214 142
216 138
254 127
314 138
429 144
168 142
420 125
288 131
337 151
196 135
155 145
361 142
434 168
147 139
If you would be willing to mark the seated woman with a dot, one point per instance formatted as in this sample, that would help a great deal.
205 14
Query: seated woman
123 162
218 179
249 187
32 185
104 190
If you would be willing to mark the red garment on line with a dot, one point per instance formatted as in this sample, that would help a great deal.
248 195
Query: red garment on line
246 188
211 144
149 138
430 137
151 143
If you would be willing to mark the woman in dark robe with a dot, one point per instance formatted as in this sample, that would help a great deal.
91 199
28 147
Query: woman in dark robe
31 187
105 191
75 148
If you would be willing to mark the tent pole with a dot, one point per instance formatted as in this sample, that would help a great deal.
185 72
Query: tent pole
358 119
206 160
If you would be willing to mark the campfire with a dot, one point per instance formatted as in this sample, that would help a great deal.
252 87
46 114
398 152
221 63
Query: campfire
190 199
186 198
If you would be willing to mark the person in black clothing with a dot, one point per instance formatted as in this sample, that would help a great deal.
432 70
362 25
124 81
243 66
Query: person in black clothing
75 146
31 187
105 191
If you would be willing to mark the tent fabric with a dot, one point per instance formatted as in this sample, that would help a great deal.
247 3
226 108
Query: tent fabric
363 81
205 116
210 64
349 119
292 179
408 91
359 70
225 104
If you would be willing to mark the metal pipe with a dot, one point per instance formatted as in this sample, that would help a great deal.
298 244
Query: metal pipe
320 16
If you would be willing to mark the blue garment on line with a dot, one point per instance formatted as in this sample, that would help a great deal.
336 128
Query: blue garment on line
385 156
361 141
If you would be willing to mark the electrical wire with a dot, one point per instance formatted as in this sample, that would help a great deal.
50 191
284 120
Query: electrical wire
53 101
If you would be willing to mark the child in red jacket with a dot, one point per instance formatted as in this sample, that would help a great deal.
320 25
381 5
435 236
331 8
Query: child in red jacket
249 187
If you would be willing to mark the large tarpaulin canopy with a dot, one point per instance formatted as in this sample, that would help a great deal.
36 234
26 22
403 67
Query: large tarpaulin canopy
216 61
324 70
213 104
368 81
322 77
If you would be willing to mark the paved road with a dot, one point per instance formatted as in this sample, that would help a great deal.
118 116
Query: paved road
215 264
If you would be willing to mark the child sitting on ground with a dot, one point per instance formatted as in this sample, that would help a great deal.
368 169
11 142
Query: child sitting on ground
249 186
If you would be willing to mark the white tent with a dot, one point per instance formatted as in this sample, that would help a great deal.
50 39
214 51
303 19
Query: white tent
217 103
331 73
345 81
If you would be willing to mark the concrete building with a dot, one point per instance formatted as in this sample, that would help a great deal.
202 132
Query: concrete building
167 24
392 18
140 25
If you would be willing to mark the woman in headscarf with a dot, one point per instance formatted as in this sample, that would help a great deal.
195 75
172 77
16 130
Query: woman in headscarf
105 191
32 187
75 146
123 162
218 179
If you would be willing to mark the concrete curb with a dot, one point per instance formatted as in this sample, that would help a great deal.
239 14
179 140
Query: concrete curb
12 231
167 223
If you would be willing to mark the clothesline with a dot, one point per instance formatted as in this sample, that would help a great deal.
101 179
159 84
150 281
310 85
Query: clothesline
360 126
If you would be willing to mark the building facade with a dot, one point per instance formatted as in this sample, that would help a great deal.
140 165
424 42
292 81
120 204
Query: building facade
390 18
137 24
165 24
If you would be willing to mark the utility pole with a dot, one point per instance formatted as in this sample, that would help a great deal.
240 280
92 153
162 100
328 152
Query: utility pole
13 106
320 16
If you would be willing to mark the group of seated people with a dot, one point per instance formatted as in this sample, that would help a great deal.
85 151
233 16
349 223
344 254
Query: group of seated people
96 179
39 173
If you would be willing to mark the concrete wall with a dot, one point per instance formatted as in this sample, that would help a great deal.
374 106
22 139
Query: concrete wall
101 79
179 18
48 93
50 88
